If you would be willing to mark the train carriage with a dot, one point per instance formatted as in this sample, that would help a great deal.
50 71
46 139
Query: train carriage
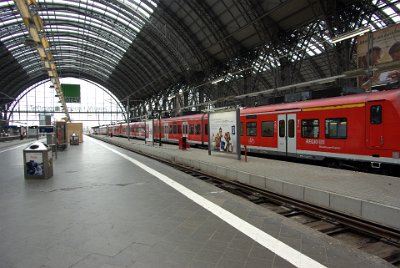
193 127
362 128
359 127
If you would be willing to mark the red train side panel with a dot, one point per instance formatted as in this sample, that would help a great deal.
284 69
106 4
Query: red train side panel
362 127
358 127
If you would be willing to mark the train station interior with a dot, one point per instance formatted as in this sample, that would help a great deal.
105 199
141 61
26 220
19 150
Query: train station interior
168 133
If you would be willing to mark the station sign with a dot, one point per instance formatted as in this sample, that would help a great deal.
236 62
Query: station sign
72 93
46 129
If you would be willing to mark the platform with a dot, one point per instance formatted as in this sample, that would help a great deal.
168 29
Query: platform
4 145
108 207
367 196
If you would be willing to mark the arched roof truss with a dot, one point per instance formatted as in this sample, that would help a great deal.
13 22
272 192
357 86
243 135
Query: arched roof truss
139 48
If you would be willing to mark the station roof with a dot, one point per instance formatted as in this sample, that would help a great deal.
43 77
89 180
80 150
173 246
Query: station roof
137 48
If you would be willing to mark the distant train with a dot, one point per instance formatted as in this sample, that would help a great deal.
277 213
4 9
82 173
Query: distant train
356 128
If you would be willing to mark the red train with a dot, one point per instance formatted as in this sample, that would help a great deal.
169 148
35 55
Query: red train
362 128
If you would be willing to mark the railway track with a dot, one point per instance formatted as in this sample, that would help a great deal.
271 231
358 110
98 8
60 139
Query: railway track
374 239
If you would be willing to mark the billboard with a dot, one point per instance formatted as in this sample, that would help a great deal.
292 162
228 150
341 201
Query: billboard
72 93
223 132
383 48
149 131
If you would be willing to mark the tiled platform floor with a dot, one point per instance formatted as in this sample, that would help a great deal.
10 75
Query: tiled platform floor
100 210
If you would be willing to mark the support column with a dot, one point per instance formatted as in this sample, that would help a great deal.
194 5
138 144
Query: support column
143 109
128 118
201 99
185 99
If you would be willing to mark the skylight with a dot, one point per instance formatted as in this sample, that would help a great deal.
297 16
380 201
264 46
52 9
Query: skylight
98 28
316 46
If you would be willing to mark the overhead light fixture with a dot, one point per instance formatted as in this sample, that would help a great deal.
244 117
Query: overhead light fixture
350 34
23 8
218 80
41 51
49 55
45 42
34 33
28 10
38 22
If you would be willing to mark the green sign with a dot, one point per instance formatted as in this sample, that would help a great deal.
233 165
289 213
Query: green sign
72 93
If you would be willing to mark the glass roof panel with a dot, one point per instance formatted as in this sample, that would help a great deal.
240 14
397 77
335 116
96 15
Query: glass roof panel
6 3
11 37
391 13
11 21
104 28
316 43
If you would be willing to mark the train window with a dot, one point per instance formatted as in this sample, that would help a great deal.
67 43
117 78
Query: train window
282 128
241 129
376 114
291 131
174 129
198 129
170 129
267 128
310 128
206 129
179 129
191 129
251 128
165 129
336 128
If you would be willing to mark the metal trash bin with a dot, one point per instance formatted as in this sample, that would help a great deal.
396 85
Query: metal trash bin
38 161
74 139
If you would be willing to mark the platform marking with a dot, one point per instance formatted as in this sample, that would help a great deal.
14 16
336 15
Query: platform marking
278 247
12 148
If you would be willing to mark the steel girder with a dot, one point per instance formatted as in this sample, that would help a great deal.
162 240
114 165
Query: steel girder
186 44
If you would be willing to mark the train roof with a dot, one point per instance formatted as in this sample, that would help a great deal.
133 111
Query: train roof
342 100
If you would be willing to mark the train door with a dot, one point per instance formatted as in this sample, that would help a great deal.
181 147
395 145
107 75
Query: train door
166 130
374 129
185 129
287 133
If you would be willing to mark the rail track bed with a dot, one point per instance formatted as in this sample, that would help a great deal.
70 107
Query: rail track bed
374 239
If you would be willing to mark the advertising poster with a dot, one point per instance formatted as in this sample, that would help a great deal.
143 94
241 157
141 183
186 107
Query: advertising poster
223 135
383 48
150 131
34 164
